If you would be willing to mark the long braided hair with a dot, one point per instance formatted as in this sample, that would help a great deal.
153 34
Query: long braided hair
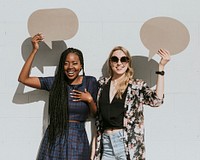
58 99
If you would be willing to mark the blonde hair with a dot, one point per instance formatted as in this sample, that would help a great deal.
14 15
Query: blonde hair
128 74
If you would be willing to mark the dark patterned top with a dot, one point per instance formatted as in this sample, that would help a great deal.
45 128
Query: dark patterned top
138 95
77 110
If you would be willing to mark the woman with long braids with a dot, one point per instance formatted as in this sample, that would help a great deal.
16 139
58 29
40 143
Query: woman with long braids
71 99
120 100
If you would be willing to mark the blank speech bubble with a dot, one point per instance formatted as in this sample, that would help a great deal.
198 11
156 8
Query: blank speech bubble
166 33
54 24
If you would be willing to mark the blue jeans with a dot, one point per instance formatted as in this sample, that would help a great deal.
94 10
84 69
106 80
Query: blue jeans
113 146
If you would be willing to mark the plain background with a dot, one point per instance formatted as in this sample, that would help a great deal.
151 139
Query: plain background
172 131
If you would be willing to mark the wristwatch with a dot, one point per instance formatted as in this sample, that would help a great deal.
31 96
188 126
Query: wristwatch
160 72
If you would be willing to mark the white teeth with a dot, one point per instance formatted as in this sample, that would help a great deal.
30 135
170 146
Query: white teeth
119 68
71 72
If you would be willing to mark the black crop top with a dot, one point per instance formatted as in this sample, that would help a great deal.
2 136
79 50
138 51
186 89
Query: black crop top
112 113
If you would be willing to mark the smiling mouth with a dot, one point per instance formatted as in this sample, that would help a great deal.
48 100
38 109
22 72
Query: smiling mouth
119 68
70 73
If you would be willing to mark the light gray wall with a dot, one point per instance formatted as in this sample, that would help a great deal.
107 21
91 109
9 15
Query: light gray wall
172 131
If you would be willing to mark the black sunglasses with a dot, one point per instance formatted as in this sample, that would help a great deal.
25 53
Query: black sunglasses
123 59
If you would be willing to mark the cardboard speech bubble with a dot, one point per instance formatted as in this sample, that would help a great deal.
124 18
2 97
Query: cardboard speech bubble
55 24
166 33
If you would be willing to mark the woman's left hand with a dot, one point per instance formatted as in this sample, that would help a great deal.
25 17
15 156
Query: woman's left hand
165 56
81 96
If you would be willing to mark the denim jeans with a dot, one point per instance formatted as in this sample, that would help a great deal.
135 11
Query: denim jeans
113 146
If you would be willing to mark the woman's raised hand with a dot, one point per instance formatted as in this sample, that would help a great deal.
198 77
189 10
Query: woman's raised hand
165 56
36 39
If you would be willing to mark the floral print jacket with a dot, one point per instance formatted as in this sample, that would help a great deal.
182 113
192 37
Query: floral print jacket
138 94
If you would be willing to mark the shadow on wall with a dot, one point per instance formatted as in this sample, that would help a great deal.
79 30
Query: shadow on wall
158 32
143 69
44 58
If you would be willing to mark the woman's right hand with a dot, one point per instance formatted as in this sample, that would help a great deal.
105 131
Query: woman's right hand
36 39
24 76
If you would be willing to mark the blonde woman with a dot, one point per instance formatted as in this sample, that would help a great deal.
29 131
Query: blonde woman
120 120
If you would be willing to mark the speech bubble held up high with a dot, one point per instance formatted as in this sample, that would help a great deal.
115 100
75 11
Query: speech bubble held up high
54 24
166 33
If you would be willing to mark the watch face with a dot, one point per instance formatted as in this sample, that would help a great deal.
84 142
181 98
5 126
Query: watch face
162 72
